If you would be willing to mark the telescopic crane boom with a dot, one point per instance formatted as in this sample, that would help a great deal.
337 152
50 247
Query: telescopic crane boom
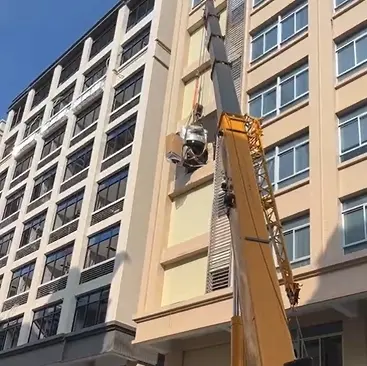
253 216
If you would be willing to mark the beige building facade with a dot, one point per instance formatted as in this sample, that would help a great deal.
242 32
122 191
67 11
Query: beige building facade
304 71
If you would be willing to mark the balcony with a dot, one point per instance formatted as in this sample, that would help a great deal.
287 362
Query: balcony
26 144
89 95
56 120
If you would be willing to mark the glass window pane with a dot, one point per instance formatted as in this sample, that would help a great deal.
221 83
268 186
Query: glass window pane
346 58
112 193
302 157
91 317
288 238
302 244
302 18
270 102
286 161
271 39
257 47
349 136
271 169
255 107
361 46
287 92
354 226
332 351
287 27
363 125
301 83
79 317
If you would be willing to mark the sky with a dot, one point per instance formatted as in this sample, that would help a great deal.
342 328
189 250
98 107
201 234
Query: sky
34 33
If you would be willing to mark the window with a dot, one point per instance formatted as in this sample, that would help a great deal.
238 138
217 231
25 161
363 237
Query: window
3 179
57 264
297 239
70 66
352 53
139 11
133 46
9 146
354 217
257 2
288 163
33 124
96 74
53 142
112 189
78 161
21 279
13 203
196 2
18 114
68 210
103 40
63 100
91 309
23 164
128 89
102 246
284 93
41 91
45 322
9 333
120 137
43 184
285 28
33 229
340 3
5 242
87 117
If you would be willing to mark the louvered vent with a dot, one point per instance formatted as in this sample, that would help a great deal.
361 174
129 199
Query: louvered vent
9 220
49 158
3 261
15 301
97 271
83 134
19 179
28 249
52 287
64 231
107 212
39 202
74 180
116 158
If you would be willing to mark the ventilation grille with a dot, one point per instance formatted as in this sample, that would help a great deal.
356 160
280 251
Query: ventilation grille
73 181
116 158
15 301
9 220
51 288
49 158
125 109
3 261
97 271
83 134
28 249
39 202
107 212
64 231
19 179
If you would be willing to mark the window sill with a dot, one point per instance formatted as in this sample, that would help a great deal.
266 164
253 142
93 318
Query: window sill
343 8
110 204
132 59
15 296
54 279
351 78
45 157
62 226
5 158
291 187
286 113
80 133
99 263
8 217
258 7
253 65
75 175
40 197
353 161
124 105
117 152
19 175
29 244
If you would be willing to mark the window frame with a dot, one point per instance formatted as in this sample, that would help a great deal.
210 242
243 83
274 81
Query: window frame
9 235
34 223
18 115
50 139
43 88
3 176
29 267
137 38
18 321
342 4
33 124
67 252
90 110
23 164
84 154
150 7
71 67
110 28
9 146
63 206
41 179
96 70
18 195
63 100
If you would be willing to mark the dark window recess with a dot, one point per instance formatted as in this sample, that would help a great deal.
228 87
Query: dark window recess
33 229
57 264
103 39
13 203
68 210
9 146
78 161
102 246
87 117
21 279
45 322
138 11
43 184
23 164
63 100
70 65
41 92
9 333
33 124
5 242
53 142
128 89
133 46
1 280
112 189
96 73
2 179
120 137
18 114
91 309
